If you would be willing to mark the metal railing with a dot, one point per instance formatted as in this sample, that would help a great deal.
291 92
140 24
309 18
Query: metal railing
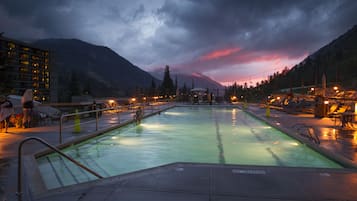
19 170
310 134
81 113
118 108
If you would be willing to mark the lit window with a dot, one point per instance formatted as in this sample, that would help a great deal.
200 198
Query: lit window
24 56
11 45
23 69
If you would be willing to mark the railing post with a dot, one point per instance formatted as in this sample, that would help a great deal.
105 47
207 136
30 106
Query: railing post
96 120
60 131
19 173
118 115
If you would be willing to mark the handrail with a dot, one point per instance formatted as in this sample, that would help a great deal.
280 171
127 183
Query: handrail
310 135
85 112
316 138
97 117
19 175
133 106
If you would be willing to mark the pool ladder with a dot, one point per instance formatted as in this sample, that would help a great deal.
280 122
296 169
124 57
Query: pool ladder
19 168
310 134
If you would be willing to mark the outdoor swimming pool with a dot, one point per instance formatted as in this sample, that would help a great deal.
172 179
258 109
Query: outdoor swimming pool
220 135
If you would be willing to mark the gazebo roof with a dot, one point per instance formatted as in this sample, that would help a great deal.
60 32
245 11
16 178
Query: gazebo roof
198 90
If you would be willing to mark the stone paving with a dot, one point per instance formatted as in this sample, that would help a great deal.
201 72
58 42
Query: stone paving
198 182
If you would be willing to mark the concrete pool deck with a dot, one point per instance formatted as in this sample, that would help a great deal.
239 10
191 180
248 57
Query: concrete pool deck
184 181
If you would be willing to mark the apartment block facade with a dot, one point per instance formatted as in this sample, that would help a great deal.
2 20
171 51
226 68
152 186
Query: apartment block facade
22 67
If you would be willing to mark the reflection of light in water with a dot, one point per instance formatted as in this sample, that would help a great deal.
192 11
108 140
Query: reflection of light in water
354 137
234 119
129 141
265 127
174 113
334 133
324 133
152 126
294 143
114 137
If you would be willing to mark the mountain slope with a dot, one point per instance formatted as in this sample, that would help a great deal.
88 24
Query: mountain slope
337 60
98 70
193 80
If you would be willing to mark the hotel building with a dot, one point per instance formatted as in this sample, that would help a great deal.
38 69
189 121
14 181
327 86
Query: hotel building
23 66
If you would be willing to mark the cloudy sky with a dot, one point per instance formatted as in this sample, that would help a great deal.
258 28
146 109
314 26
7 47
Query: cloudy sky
227 40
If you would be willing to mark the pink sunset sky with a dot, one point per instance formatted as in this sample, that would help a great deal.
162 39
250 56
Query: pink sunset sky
227 40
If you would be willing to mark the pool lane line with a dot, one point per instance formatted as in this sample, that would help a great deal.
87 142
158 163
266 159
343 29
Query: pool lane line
55 172
222 160
252 130
259 138
276 157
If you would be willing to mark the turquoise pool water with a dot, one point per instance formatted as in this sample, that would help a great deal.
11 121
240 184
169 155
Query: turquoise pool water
222 135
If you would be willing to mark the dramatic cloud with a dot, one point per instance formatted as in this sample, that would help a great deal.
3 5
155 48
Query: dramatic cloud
228 40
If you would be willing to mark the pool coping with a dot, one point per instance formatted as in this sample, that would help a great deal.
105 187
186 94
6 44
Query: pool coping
249 170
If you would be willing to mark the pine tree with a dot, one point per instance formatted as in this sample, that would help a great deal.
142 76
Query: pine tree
152 91
167 86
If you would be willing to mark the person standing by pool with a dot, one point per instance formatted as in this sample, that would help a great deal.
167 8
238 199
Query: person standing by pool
138 115
6 110
27 106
